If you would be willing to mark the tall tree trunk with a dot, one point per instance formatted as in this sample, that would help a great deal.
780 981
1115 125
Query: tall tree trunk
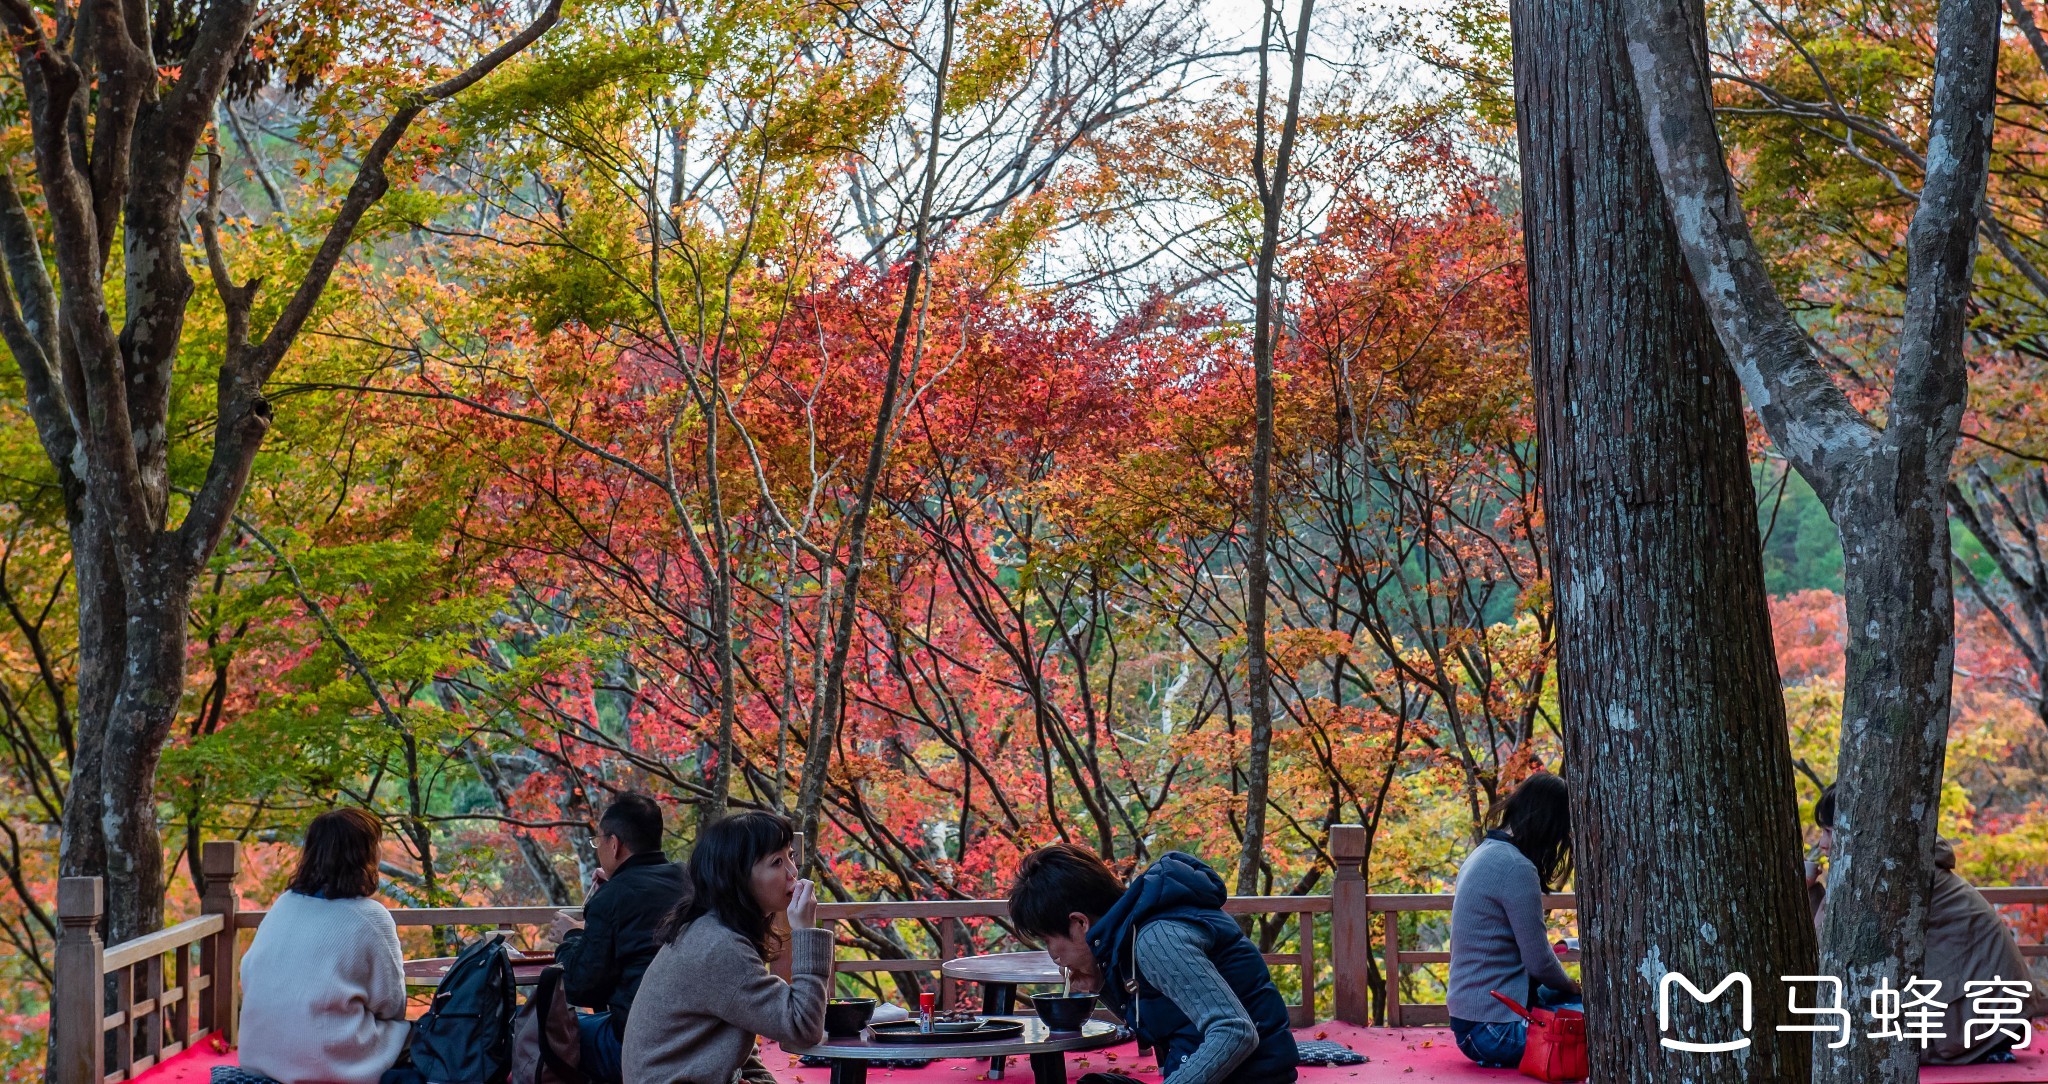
1272 192
1895 712
1684 819
138 725
1884 487
100 398
102 636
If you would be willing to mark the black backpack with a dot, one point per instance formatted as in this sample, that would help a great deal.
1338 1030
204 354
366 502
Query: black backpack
466 1035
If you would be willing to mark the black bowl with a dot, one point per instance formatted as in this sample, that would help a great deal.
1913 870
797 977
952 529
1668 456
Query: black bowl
845 1016
1064 1012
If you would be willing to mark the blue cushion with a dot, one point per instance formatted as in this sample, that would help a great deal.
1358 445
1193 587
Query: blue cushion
1323 1052
233 1074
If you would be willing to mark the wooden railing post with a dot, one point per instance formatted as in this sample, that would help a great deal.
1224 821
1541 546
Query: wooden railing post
949 947
219 862
1391 961
1350 925
78 1002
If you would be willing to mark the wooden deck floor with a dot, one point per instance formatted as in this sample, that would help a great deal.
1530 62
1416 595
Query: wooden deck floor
1398 1056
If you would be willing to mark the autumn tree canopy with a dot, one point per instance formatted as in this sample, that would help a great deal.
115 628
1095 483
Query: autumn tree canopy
473 413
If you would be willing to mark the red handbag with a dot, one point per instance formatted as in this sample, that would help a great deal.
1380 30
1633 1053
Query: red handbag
1556 1049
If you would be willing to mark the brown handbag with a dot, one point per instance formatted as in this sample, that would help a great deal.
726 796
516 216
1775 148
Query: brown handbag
546 1047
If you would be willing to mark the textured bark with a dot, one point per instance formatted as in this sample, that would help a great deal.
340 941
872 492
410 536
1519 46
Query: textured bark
1883 487
1684 819
100 397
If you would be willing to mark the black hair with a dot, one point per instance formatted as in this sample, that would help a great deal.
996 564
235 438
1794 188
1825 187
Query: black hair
1054 882
722 879
634 820
1539 817
1824 809
339 860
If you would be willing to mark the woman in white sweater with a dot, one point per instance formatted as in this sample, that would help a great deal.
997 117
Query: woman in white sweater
323 983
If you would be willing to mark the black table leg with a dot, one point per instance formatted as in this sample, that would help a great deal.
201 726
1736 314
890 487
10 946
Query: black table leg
1049 1068
849 1071
998 999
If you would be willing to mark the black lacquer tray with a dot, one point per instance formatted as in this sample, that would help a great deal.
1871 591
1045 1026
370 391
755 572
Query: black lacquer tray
905 1031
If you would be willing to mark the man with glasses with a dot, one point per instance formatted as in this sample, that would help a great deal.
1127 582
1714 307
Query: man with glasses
604 953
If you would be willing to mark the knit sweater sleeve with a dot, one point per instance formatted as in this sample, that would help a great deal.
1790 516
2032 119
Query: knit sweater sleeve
791 1013
386 985
1523 900
1174 957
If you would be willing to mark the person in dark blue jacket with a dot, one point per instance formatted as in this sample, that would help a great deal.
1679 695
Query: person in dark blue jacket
1164 956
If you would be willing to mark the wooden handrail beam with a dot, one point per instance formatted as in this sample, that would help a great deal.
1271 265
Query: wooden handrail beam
856 911
130 953
2015 894
443 916
885 965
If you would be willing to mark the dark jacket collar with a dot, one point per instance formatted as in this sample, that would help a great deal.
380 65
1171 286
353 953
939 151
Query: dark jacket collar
644 858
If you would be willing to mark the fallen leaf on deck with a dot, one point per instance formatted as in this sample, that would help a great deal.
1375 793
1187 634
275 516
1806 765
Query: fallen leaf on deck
1322 1034
1427 1043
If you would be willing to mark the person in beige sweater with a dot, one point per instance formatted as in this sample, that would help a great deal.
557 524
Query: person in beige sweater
1967 941
708 995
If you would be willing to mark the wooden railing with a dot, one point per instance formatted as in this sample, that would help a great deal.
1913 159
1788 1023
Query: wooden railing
119 1010
1396 960
948 915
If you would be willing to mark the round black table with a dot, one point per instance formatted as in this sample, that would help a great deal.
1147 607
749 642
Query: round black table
1047 1049
1000 973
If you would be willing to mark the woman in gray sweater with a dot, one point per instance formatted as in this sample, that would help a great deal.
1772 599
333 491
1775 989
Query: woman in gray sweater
708 993
1498 941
